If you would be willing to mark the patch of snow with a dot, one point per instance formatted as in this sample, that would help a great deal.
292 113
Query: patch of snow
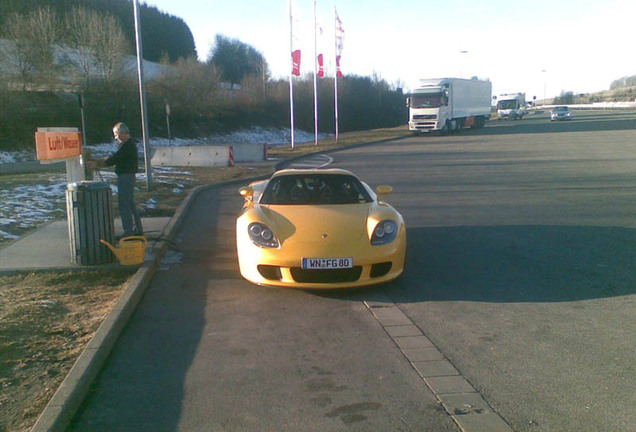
15 156
151 203
25 206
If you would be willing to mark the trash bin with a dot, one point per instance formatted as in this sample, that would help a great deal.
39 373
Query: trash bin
90 219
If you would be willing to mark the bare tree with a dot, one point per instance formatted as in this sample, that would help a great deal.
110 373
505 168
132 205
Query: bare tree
110 47
192 88
16 52
99 43
78 25
34 36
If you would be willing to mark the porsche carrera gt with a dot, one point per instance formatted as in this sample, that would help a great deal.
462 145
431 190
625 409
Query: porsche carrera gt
318 228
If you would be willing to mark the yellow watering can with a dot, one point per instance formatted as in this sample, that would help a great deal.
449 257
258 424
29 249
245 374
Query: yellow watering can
131 250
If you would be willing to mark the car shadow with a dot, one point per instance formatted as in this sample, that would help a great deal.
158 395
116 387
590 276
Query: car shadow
141 387
506 264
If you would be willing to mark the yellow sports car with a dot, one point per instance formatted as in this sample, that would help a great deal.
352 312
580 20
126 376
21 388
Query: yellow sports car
318 228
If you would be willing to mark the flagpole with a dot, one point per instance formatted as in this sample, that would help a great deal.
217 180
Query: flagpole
335 79
291 75
315 78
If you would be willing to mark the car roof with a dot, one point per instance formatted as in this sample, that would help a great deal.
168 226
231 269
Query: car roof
312 171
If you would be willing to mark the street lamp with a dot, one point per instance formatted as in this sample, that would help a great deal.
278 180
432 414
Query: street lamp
461 75
142 96
545 81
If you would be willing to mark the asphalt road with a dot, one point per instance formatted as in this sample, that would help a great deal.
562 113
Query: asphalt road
520 269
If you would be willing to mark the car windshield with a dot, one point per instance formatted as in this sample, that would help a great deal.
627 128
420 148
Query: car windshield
315 189
426 100
561 109
507 104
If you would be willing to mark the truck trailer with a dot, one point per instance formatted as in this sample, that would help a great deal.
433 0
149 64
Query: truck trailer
511 105
449 104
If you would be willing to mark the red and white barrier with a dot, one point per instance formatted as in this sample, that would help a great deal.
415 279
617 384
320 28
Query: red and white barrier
207 156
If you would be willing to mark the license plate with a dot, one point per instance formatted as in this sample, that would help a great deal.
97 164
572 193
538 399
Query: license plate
326 263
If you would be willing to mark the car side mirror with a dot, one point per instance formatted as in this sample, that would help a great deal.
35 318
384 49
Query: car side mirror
247 193
383 190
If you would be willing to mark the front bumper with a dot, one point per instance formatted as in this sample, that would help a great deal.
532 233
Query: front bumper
424 122
273 267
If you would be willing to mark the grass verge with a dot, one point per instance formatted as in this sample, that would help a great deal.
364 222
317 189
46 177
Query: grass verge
46 320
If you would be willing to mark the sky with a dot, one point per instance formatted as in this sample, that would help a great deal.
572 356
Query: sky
540 47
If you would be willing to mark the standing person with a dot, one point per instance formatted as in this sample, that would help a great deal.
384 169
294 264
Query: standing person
126 163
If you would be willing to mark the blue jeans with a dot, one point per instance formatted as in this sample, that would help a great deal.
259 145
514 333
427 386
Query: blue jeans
130 219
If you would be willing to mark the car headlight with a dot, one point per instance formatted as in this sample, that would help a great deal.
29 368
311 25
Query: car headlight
262 236
384 233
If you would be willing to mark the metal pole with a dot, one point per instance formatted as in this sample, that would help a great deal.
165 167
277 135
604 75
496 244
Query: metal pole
168 122
335 78
315 77
142 96
81 104
544 87
291 75
461 63
82 159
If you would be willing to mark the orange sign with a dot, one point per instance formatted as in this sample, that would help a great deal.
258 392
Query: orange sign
58 145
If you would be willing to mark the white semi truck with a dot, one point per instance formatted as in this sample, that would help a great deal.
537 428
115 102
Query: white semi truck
449 104
511 105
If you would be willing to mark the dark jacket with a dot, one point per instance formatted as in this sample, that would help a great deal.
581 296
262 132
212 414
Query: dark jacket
125 159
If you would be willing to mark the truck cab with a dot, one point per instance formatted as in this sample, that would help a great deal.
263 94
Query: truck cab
428 108
511 105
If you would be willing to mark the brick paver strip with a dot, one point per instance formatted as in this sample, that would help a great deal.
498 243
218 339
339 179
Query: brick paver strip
413 342
464 403
423 354
435 368
486 422
458 397
403 330
449 384
390 316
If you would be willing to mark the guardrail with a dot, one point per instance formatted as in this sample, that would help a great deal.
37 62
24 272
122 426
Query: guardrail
596 106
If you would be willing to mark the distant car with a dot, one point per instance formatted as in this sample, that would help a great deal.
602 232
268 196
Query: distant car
560 113
318 228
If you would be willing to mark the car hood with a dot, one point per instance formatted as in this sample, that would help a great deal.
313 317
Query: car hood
318 224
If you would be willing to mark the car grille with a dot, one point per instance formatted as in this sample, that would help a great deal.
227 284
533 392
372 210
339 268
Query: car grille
425 117
380 269
270 272
326 276
425 126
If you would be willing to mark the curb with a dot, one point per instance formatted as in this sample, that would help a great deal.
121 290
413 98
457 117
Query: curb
29 167
63 406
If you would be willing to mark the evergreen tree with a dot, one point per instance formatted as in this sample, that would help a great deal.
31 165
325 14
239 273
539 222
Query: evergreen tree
236 60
